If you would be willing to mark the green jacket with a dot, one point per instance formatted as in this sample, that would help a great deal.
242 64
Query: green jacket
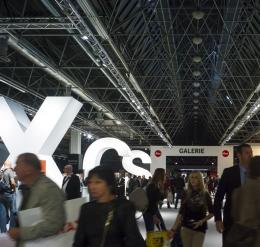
44 193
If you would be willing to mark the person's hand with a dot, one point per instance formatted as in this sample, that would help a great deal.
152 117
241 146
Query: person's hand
171 233
156 220
14 233
197 224
219 226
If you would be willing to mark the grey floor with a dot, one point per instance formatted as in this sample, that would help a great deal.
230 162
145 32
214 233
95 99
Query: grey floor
213 238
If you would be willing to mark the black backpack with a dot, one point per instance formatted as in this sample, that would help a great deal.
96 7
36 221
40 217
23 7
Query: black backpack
4 188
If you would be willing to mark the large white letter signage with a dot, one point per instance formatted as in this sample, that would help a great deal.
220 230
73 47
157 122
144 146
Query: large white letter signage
43 134
96 150
136 170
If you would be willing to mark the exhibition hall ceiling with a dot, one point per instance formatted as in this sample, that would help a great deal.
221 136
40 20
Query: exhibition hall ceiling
149 72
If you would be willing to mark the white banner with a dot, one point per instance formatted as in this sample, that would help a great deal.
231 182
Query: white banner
32 216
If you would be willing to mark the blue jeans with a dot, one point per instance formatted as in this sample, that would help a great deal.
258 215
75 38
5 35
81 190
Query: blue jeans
3 218
148 220
11 198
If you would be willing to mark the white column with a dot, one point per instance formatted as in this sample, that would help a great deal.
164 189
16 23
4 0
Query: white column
75 142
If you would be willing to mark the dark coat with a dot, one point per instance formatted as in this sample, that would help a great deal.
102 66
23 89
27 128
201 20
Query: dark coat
246 206
122 232
154 196
73 187
229 181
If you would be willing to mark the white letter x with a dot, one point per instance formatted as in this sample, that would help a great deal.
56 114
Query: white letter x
43 134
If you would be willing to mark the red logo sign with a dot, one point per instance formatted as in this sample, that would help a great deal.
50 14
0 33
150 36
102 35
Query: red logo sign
225 153
158 153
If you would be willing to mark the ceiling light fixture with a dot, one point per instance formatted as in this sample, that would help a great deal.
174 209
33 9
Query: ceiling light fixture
196 73
196 94
198 15
195 101
196 84
89 136
197 59
229 100
197 40
84 37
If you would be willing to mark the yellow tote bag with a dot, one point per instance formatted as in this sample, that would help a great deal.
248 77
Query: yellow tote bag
157 239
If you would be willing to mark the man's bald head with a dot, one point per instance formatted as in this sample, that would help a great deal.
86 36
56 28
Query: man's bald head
68 169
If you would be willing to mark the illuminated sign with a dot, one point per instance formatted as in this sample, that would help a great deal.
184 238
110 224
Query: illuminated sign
191 150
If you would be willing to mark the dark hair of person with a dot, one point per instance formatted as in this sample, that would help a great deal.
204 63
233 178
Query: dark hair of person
105 174
254 167
80 171
158 176
240 147
31 160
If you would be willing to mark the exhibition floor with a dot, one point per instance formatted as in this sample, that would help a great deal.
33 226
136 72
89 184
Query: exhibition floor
213 238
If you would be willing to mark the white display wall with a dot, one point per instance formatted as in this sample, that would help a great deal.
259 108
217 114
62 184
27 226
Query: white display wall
224 155
255 148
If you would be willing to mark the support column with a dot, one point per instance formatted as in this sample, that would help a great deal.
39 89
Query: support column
75 142
75 157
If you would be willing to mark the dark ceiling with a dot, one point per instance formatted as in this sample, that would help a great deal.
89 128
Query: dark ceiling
150 72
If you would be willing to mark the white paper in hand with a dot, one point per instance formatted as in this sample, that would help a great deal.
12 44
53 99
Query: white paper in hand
6 241
33 216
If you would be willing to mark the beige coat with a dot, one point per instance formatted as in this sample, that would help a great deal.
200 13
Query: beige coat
45 194
246 206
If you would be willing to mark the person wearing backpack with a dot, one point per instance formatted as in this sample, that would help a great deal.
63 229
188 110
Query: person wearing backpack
9 178
196 209
155 193
4 217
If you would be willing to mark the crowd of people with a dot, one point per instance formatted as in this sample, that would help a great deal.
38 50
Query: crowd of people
109 218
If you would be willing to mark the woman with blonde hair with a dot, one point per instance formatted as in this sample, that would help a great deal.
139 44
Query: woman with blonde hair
196 209
155 193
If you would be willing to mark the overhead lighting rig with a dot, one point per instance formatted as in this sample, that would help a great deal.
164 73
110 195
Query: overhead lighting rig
4 48
251 112
86 34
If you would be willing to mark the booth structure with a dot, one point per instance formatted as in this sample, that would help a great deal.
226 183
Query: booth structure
224 155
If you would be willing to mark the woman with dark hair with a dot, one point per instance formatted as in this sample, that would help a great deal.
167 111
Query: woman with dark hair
246 210
155 193
107 221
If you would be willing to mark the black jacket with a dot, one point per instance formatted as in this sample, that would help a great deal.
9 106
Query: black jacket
229 181
154 196
72 190
123 231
